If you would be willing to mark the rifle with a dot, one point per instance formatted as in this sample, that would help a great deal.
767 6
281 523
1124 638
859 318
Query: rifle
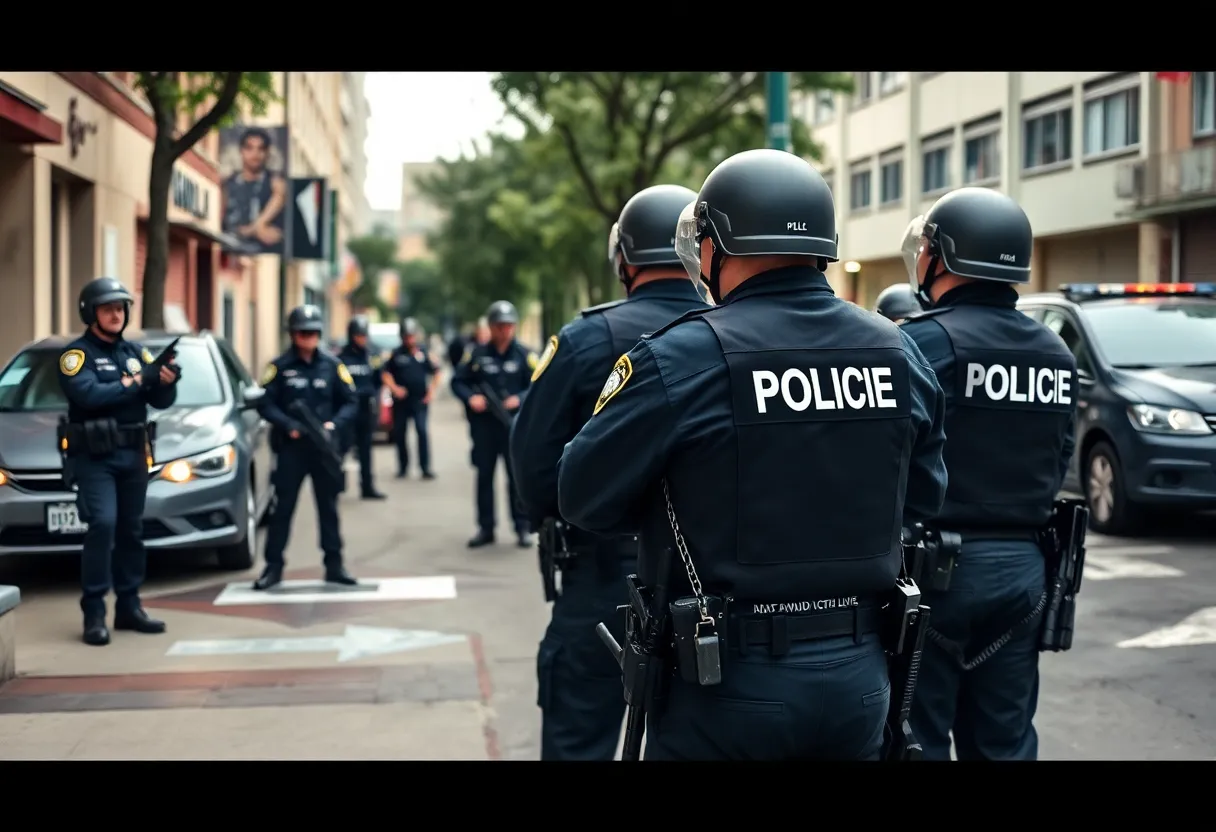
904 668
1063 542
496 406
317 434
645 623
552 549
151 372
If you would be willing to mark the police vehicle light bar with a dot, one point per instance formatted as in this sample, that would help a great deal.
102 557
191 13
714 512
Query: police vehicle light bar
1093 290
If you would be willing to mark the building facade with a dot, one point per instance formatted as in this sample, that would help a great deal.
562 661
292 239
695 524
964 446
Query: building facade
1054 141
419 216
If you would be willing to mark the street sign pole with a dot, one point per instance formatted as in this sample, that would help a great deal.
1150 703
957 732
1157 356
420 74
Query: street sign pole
777 88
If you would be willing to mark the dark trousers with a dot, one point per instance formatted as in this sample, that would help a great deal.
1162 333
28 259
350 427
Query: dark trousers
362 428
404 413
580 693
490 441
991 707
110 498
295 461
824 700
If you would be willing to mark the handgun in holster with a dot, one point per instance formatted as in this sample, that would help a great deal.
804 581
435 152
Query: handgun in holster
1063 543
62 432
553 551
150 427
930 555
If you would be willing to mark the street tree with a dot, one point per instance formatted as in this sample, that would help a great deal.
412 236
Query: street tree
174 96
376 253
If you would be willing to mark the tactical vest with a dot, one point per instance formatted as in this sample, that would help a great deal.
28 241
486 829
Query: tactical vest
820 403
1014 396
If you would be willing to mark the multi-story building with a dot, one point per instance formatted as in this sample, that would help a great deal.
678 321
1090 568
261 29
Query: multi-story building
1174 186
355 116
1051 140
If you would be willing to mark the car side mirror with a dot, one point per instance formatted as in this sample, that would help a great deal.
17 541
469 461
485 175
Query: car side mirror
1085 376
250 397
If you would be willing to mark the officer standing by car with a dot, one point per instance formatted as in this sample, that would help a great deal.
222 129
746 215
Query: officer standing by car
106 447
312 376
770 441
501 367
411 376
579 683
897 302
1010 387
363 363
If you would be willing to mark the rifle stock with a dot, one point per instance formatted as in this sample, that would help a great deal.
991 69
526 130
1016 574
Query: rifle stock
319 437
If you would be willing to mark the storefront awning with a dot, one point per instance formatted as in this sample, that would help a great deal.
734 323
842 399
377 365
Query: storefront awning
23 122
225 240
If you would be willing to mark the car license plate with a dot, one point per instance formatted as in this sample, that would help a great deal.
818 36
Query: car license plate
62 518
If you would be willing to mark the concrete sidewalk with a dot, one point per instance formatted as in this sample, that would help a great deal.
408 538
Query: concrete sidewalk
403 667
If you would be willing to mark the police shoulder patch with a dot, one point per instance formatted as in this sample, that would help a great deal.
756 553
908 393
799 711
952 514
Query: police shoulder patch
545 358
146 356
269 373
344 374
376 361
71 362
620 374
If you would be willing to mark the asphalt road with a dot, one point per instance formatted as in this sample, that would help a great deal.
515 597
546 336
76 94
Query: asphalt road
435 659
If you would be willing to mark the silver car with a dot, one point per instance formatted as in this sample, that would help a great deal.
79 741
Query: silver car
208 485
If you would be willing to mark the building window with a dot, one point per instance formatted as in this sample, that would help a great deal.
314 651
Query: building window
1047 133
824 107
982 151
889 82
891 177
229 317
863 88
935 162
860 181
1112 116
1203 103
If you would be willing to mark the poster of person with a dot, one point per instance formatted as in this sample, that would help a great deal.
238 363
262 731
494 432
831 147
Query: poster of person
254 195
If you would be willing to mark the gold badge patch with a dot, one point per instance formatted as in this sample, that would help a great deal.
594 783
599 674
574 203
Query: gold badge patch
71 362
147 356
344 374
133 366
269 374
616 380
532 362
545 357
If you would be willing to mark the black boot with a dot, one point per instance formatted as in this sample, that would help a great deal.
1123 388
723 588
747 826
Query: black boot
272 575
482 538
523 540
339 575
372 494
137 620
96 633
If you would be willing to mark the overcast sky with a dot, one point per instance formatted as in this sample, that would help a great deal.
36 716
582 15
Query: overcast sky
418 116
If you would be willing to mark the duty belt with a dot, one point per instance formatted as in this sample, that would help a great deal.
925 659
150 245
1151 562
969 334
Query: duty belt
779 629
974 534
125 436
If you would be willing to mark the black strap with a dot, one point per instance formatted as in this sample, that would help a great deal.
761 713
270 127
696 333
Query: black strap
777 631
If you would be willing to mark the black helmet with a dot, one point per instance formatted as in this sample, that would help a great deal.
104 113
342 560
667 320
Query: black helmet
759 202
502 312
972 232
896 302
358 326
306 318
409 326
645 233
99 292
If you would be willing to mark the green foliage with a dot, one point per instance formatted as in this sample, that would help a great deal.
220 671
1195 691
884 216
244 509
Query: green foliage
530 217
423 295
376 252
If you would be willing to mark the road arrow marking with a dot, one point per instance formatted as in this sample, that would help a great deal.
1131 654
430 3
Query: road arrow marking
1197 628
1101 566
439 587
355 643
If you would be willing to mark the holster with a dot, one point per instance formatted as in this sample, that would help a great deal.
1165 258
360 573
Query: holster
150 427
929 555
688 628
643 640
553 552
1063 543
100 436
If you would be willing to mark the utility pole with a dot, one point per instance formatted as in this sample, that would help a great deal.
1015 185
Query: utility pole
777 89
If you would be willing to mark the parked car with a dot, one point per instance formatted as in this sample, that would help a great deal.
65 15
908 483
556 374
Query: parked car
1146 395
209 481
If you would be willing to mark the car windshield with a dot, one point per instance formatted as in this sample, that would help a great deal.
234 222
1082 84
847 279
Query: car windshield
31 381
1151 332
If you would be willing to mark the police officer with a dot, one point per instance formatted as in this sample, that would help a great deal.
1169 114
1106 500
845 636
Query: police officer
107 451
1010 401
363 363
579 682
411 376
770 441
305 373
897 302
501 367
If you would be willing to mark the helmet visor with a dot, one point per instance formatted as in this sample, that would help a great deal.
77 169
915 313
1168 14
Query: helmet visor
614 243
688 242
914 243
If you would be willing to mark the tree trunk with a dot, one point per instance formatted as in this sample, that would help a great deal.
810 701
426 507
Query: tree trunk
157 265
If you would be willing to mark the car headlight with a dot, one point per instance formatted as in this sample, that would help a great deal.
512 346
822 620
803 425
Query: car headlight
212 463
1172 420
3 477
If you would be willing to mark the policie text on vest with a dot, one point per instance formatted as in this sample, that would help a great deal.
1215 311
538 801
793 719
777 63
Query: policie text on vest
1019 384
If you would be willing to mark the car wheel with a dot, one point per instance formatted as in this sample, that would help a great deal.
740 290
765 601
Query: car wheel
1110 512
241 555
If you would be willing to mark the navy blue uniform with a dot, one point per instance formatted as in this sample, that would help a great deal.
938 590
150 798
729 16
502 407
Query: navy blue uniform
1010 388
579 683
507 374
797 434
364 367
411 369
328 389
112 487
